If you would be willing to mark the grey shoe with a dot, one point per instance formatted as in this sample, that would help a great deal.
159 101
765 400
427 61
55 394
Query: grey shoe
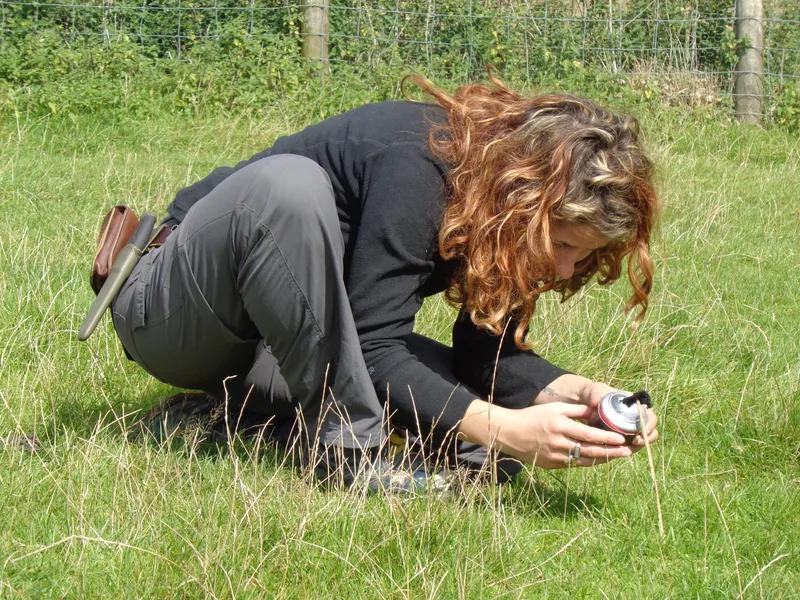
21 442
409 480
193 416
368 470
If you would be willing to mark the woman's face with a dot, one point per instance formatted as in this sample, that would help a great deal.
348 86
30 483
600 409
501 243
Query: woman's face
573 243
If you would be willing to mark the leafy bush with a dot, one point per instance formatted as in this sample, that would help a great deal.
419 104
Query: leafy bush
189 56
787 107
43 72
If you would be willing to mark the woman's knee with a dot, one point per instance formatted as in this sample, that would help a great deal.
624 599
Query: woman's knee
288 188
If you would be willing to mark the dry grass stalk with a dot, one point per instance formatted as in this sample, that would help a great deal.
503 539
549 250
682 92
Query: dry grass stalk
652 470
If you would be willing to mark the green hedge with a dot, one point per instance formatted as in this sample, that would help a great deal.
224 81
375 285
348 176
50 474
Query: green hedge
248 56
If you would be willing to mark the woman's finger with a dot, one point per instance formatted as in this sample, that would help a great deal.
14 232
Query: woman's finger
593 435
585 461
652 421
600 451
638 441
571 411
588 454
591 462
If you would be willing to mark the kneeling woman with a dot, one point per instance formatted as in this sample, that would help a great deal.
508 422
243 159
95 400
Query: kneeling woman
292 280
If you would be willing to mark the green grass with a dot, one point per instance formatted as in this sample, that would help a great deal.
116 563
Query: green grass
94 516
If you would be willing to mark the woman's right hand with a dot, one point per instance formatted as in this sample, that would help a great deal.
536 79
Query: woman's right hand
542 435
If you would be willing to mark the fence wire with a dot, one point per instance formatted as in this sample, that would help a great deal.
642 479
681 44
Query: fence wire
688 45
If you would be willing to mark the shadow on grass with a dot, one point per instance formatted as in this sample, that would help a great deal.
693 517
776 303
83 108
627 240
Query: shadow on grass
562 495
117 420
528 496
86 418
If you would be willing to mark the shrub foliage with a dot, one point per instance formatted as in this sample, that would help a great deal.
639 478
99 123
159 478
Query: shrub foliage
179 55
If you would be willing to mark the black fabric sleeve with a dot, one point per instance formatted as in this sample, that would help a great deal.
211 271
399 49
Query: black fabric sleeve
493 365
403 192
190 195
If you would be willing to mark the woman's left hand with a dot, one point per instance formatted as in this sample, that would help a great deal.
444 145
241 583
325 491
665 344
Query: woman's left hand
593 392
576 389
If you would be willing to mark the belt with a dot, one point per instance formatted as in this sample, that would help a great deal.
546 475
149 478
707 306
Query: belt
142 240
160 236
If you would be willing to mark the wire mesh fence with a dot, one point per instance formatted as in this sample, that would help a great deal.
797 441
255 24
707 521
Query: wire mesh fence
690 46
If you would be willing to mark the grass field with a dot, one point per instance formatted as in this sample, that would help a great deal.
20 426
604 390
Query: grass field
93 516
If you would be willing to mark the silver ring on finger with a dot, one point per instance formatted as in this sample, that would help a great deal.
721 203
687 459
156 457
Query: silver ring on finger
576 451
570 457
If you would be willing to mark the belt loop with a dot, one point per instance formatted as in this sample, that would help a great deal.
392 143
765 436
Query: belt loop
160 236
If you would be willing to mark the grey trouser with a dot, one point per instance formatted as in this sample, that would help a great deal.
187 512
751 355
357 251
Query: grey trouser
246 300
257 262
441 444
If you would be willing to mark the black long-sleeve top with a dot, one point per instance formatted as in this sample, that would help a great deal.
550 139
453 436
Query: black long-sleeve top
390 196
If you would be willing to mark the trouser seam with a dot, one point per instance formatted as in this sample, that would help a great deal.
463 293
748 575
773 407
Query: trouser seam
298 289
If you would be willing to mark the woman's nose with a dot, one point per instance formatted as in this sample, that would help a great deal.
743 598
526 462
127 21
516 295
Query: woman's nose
565 264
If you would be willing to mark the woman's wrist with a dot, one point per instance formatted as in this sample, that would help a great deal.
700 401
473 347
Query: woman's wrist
594 392
483 424
569 388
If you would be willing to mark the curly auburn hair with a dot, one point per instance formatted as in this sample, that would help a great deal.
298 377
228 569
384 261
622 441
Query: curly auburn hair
519 165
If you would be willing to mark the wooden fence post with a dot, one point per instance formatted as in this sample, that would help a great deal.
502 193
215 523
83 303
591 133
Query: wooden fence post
315 30
748 86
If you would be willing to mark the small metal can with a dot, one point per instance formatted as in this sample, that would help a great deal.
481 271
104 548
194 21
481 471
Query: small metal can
618 412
